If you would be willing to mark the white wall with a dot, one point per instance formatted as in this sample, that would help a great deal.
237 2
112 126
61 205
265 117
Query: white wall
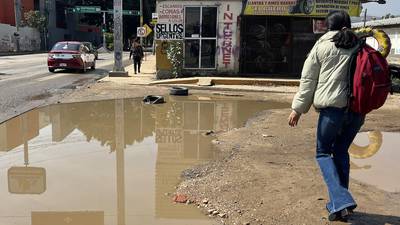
228 36
29 38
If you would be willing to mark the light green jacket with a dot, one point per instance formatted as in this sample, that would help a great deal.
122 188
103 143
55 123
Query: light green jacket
324 81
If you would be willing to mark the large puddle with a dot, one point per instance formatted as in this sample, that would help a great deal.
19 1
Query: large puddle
110 162
375 158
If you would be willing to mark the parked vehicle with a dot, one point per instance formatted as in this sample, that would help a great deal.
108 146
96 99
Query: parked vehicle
71 55
92 49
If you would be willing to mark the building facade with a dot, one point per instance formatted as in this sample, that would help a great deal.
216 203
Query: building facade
267 38
62 25
28 39
7 11
65 26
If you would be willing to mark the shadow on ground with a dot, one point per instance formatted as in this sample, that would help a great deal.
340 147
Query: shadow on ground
373 219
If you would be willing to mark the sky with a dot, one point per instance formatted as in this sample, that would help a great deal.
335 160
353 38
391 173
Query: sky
375 9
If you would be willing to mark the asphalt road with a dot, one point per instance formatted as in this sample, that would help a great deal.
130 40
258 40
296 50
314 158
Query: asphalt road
26 83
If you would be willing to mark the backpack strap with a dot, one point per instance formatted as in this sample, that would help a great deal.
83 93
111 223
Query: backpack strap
351 70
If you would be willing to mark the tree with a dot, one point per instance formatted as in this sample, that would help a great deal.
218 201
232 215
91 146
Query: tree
36 20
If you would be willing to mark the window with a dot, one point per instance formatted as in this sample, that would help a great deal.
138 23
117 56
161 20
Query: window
66 46
36 5
200 37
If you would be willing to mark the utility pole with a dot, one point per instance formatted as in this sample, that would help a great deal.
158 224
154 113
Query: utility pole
365 17
17 11
104 30
118 70
141 20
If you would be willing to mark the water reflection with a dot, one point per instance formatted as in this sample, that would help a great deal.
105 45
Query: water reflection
363 152
112 159
26 180
374 159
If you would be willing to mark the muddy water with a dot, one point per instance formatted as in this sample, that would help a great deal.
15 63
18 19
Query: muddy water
375 158
110 162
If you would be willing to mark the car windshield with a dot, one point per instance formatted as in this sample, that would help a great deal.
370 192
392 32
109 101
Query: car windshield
66 46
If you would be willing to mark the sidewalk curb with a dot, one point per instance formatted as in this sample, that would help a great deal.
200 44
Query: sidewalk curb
209 81
218 84
219 88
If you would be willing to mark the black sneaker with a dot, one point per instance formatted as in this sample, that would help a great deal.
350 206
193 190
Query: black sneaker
342 215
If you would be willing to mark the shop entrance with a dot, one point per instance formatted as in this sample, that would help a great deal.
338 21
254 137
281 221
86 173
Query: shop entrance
275 46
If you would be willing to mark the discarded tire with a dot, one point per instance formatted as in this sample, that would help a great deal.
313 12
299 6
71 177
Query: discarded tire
182 91
153 99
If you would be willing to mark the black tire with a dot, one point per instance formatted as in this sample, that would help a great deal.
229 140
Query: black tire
83 70
51 70
94 65
181 91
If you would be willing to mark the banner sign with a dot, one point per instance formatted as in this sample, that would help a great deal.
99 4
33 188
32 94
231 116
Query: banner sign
308 8
169 31
170 12
170 21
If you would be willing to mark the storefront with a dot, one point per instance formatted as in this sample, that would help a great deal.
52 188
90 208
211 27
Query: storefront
268 38
207 31
278 34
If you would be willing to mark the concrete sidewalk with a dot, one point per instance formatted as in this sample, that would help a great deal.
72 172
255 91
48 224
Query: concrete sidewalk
148 77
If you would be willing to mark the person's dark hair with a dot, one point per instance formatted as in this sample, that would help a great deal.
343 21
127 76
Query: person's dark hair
340 21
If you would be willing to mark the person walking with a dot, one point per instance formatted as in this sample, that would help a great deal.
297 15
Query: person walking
325 84
136 53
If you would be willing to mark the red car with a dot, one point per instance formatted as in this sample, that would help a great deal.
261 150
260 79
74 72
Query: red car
71 55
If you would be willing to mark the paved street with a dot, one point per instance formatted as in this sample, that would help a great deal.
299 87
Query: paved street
25 81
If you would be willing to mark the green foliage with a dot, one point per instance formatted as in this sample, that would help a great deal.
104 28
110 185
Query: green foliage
35 19
175 56
110 40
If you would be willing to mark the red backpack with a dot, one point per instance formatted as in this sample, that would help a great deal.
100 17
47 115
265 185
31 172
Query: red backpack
371 82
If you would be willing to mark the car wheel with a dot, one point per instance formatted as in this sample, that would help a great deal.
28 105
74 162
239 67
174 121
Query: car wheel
83 70
51 70
94 65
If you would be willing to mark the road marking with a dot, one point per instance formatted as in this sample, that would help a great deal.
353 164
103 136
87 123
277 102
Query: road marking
52 77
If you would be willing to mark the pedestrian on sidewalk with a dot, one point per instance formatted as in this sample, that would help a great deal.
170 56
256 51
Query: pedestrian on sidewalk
324 84
136 53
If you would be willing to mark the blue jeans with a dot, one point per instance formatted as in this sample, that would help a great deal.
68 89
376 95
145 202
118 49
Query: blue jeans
336 130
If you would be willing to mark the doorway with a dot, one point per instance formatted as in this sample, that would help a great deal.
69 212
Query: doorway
200 37
275 46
